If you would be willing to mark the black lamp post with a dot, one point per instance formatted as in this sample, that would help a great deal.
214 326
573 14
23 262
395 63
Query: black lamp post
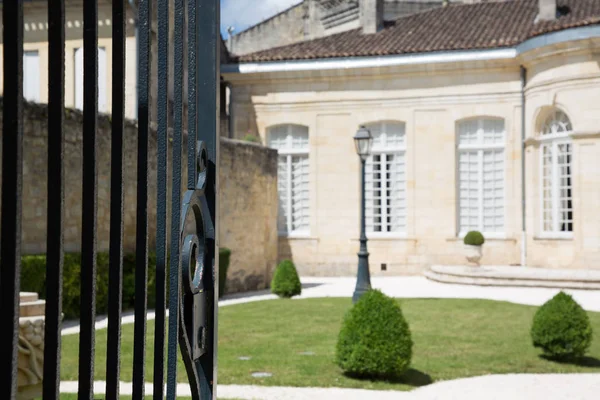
363 140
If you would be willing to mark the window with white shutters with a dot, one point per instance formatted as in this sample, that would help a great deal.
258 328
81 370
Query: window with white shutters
481 175
291 142
31 76
556 161
385 192
102 104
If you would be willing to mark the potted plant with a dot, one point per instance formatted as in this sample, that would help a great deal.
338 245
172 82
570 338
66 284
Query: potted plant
473 242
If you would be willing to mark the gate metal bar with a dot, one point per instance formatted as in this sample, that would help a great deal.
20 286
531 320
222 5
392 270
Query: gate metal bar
55 218
161 193
194 261
12 176
209 77
174 273
115 284
89 201
141 268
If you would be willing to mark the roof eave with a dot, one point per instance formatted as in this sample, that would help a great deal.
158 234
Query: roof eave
504 53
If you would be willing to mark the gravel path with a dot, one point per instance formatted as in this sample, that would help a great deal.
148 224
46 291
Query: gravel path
493 387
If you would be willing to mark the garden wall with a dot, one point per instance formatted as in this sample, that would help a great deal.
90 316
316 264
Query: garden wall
248 194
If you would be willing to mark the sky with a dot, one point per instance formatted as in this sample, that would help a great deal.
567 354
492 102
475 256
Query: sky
242 14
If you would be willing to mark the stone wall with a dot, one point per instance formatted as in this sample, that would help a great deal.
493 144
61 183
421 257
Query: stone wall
248 196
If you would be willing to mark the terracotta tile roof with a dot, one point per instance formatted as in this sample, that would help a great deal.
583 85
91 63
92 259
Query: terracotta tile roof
456 27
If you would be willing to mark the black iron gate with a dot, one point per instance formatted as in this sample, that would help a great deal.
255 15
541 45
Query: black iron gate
193 268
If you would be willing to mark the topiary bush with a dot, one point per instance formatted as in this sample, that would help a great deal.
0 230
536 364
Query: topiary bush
286 282
474 238
375 339
561 328
224 257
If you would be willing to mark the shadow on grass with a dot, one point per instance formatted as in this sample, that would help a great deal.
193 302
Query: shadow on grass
589 362
412 377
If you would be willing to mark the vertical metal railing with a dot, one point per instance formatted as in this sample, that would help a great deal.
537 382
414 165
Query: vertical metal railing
161 195
89 211
192 306
115 273
174 273
141 257
12 177
209 78
55 217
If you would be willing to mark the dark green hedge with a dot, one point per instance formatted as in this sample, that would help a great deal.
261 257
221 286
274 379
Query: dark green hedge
224 257
33 279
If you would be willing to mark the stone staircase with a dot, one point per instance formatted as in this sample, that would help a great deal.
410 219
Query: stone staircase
516 276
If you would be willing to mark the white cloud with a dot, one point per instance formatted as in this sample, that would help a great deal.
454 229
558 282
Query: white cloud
242 14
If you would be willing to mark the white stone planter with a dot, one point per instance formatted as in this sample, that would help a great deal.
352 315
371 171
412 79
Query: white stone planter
473 254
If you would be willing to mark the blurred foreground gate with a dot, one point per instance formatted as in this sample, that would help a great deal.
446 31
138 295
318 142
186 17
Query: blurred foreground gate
192 274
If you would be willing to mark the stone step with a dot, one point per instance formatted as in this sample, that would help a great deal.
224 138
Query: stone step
516 276
26 297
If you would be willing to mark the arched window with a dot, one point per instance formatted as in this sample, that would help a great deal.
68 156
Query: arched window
557 194
386 179
291 142
481 175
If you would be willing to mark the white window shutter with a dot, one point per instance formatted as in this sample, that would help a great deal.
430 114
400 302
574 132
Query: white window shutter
102 105
292 144
282 188
385 180
481 175
31 76
79 78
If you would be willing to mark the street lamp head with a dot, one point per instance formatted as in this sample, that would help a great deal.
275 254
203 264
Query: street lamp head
363 140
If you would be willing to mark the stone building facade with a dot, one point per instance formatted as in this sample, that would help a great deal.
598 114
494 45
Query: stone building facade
449 104
35 47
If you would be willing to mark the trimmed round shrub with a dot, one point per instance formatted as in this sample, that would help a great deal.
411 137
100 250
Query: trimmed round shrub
561 328
286 282
375 339
474 238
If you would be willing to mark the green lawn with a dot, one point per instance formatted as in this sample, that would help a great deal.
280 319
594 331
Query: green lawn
453 339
